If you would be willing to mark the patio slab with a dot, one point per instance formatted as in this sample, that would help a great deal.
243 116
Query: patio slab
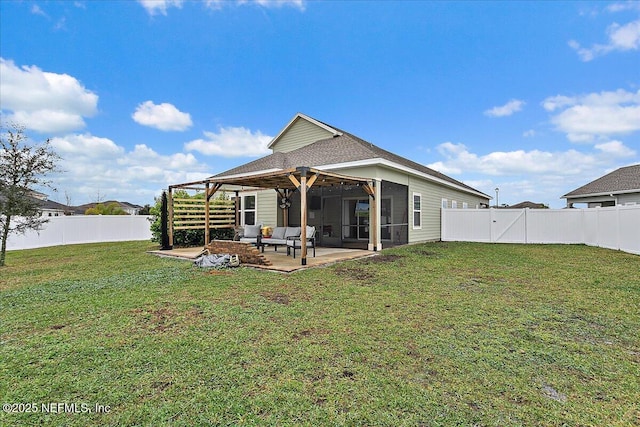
279 260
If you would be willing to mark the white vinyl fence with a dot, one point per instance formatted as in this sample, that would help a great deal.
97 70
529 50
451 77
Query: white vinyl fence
67 230
614 227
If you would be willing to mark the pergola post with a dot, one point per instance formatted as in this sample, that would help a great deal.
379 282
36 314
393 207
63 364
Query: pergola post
206 214
303 185
170 209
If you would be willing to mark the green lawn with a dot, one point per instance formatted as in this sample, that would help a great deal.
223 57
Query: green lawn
437 334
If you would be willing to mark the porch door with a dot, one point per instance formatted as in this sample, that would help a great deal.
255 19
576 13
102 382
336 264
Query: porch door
355 219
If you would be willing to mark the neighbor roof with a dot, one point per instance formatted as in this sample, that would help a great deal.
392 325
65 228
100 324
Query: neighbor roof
623 180
528 204
342 148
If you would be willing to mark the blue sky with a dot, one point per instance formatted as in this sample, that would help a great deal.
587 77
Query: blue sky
536 98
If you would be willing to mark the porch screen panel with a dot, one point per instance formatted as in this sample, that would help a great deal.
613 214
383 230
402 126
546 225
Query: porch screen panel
394 213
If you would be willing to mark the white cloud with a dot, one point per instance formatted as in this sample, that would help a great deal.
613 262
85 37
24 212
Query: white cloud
619 7
458 160
86 146
163 116
43 101
536 175
279 3
530 133
507 109
154 7
37 10
595 115
615 149
621 38
93 165
231 142
159 6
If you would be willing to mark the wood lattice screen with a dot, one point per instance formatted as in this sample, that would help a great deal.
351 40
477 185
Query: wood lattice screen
190 214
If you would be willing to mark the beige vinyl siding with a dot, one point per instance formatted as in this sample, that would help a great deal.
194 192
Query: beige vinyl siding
432 195
267 207
300 134
382 173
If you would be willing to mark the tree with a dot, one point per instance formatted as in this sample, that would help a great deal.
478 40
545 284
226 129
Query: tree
23 166
109 209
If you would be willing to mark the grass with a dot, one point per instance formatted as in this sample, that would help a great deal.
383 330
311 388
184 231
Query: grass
438 334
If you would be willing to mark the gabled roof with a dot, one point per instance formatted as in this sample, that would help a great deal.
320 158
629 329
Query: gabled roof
328 128
623 180
343 150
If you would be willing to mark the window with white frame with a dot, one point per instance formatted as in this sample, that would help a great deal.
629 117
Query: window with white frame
444 204
417 211
465 205
454 204
248 208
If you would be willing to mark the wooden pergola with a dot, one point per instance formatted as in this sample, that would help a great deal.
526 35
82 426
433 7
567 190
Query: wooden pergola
285 181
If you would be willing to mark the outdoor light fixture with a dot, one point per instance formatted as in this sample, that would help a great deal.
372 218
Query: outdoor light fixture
497 191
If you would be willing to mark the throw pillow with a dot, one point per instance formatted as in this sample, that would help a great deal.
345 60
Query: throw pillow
251 231
278 233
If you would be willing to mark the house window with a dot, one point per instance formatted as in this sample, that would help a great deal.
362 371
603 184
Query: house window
248 208
454 204
465 205
417 211
444 204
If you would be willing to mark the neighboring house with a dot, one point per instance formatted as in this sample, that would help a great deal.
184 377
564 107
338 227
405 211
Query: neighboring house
51 208
129 208
620 187
528 205
410 196
47 207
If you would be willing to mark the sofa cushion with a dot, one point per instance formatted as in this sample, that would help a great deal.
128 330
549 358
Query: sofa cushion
278 233
252 230
311 231
292 232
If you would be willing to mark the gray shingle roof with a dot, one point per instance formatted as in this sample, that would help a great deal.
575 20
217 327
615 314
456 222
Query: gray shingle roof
620 180
340 149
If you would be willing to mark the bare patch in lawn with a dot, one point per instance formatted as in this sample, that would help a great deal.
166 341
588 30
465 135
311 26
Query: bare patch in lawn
277 297
354 273
162 319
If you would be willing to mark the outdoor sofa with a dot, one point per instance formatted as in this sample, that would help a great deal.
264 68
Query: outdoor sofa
280 236
287 236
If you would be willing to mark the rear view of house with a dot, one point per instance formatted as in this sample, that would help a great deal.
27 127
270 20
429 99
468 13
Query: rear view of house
398 197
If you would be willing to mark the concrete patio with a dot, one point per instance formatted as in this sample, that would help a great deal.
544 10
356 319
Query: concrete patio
279 260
